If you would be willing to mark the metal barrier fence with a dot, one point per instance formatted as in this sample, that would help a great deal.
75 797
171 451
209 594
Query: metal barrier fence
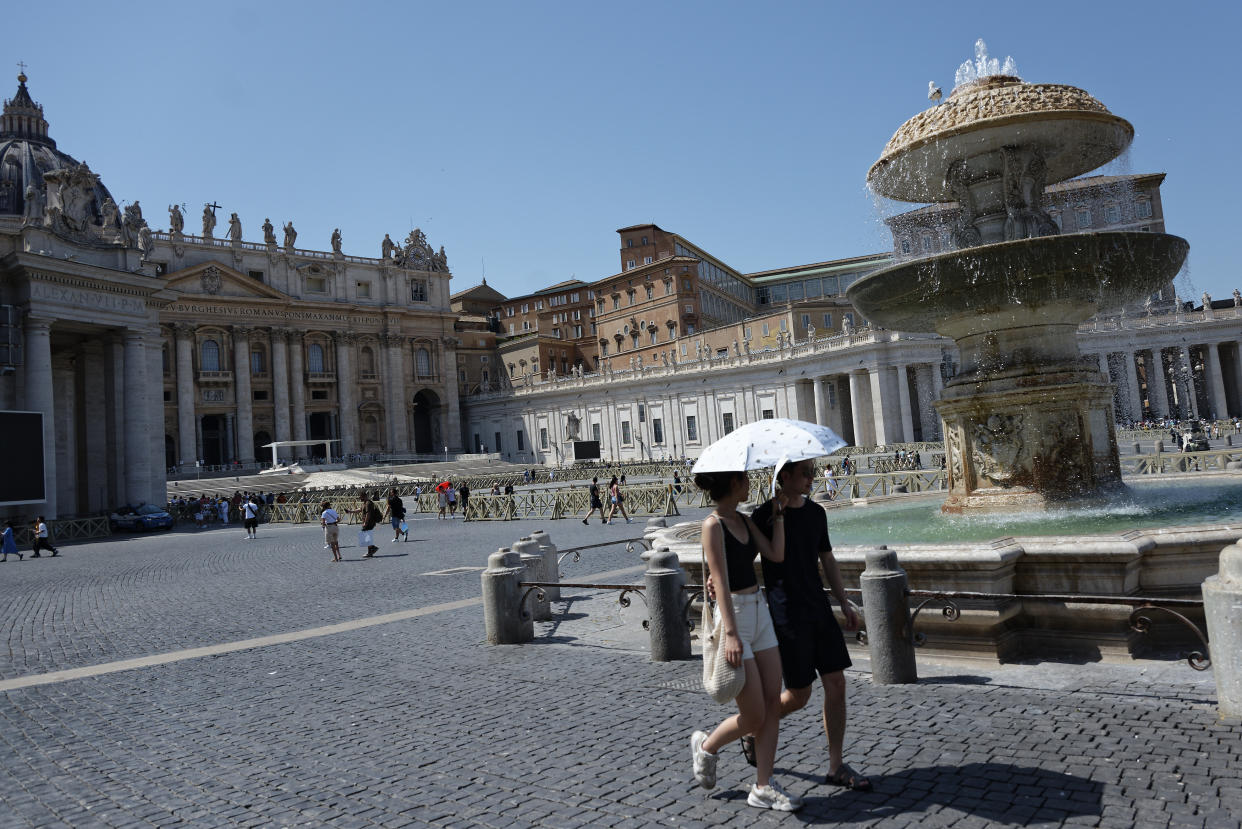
649 500
1215 460
65 529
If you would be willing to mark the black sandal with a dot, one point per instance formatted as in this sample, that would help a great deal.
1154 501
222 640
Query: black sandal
849 779
748 749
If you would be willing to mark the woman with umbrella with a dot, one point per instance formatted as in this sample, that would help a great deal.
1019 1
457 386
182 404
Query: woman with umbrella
442 489
731 542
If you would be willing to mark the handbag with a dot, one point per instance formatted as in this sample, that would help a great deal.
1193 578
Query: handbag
404 527
721 681
365 538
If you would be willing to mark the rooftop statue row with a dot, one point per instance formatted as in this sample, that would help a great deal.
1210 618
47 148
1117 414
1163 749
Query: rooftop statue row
415 254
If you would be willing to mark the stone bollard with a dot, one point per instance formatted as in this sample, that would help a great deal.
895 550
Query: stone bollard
670 635
532 570
1159 447
889 637
1222 604
551 563
502 600
1229 440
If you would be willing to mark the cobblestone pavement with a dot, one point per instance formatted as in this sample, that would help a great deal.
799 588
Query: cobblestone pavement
417 722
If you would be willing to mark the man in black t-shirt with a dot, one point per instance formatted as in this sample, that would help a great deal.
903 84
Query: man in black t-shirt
810 639
596 503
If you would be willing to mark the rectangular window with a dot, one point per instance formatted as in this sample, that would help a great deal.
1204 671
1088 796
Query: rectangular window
595 432
520 445
496 445
827 320
629 263
657 431
543 438
806 321
257 276
260 394
746 332
795 291
784 324
1084 217
647 260
766 332
603 349
812 288
319 394
616 302
316 285
364 290
642 413
1112 213
848 318
508 312
832 395
727 419
655 335
418 291
525 307
1142 209
692 428
626 437
668 287
768 414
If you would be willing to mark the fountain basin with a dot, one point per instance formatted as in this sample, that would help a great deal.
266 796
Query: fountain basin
1162 541
1017 284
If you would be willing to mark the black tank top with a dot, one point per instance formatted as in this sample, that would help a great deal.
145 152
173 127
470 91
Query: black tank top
740 558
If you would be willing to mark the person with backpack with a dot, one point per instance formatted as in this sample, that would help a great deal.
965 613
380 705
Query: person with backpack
396 516
596 503
370 517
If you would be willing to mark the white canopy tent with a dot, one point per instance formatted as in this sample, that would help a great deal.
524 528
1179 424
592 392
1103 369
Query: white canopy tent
275 446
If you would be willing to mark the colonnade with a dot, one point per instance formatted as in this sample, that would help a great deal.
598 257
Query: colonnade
1186 380
880 403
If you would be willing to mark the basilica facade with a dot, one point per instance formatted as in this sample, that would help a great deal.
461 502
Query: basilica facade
150 352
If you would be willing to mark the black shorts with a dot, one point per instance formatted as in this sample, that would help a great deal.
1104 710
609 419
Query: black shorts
597 503
251 523
810 649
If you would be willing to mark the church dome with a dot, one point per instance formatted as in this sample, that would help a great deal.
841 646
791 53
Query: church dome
26 153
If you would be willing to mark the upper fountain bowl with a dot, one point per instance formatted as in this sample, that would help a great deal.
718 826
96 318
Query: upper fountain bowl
1076 133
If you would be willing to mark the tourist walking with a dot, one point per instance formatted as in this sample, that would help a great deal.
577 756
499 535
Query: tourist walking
452 500
730 543
616 499
40 539
442 500
8 543
596 503
223 509
464 494
396 516
250 518
371 516
330 521
811 641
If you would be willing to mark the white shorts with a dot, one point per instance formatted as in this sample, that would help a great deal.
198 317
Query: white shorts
754 623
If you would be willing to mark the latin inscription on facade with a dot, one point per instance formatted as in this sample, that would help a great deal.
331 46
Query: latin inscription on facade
213 395
79 298
273 314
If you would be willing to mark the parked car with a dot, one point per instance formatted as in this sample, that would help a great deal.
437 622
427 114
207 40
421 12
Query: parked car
142 517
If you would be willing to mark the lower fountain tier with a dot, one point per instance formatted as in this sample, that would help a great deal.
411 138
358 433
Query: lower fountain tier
1086 272
1021 444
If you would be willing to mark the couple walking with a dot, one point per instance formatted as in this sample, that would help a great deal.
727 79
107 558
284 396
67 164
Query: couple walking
793 633
616 501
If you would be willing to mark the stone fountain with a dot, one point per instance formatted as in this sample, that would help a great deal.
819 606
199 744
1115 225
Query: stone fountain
1028 421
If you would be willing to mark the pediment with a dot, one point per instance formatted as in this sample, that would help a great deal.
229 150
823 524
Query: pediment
217 280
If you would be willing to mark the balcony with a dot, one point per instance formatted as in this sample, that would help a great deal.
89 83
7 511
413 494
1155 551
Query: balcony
320 377
215 378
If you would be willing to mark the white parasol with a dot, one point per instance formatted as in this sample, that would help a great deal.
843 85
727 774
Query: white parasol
767 443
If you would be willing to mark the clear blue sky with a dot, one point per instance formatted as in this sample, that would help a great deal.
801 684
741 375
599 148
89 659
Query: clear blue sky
523 134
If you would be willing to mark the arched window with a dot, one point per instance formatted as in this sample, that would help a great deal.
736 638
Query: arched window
258 362
366 360
211 355
422 363
314 358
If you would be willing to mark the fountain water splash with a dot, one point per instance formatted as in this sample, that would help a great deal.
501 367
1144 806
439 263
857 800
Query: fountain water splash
983 66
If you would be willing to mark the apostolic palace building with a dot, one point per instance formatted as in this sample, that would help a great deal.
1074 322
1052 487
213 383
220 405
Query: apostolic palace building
150 351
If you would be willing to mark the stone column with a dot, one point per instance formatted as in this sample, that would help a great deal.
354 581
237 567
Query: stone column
1157 391
116 419
346 397
452 428
243 393
903 397
1135 396
93 378
187 446
1190 407
1103 358
157 479
230 453
297 386
137 433
821 403
280 385
65 428
858 382
1217 401
394 386
882 400
39 398
923 374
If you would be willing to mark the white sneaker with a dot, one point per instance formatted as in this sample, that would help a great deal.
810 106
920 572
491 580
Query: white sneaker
704 762
773 796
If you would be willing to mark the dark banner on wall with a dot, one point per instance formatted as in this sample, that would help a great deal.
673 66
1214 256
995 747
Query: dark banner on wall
22 438
586 450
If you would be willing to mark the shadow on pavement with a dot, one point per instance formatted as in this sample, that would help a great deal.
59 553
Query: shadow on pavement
994 792
955 679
